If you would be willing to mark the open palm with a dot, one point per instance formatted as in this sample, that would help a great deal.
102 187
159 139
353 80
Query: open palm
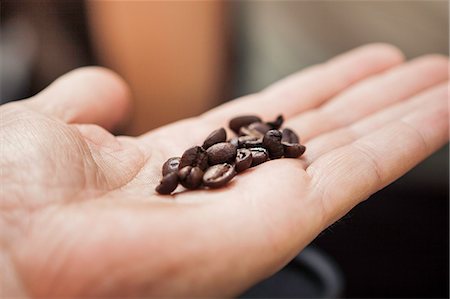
80 216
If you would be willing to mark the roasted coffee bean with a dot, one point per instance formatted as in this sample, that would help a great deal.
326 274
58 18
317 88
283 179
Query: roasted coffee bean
260 127
170 165
242 121
276 124
249 141
293 150
243 139
217 161
218 175
217 136
259 155
194 156
190 177
253 143
243 159
289 136
221 153
168 183
272 142
246 131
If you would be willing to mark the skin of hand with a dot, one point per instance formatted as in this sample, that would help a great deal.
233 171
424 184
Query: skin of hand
80 217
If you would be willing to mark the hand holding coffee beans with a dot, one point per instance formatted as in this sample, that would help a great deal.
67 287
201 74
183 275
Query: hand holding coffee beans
217 161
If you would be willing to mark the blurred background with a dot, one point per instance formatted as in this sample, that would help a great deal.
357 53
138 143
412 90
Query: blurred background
184 57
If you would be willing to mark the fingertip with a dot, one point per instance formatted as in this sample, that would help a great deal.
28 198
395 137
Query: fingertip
87 95
387 51
121 96
111 93
116 84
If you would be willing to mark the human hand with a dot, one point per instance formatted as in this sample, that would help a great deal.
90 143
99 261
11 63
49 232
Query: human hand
80 216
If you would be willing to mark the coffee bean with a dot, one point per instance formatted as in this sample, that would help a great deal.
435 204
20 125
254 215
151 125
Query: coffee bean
194 156
217 161
170 165
190 177
249 141
242 121
260 127
276 124
272 142
168 183
289 136
216 136
243 159
246 131
293 150
218 175
221 153
259 155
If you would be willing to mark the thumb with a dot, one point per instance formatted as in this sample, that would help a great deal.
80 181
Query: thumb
92 95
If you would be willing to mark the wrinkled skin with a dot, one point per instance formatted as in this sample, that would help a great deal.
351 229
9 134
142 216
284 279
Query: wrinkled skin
80 217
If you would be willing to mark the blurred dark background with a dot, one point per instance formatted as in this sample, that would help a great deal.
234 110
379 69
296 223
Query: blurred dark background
396 244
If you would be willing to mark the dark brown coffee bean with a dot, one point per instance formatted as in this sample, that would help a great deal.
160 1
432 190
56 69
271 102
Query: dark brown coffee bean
221 153
243 159
168 183
217 161
253 143
260 127
194 156
171 165
217 136
190 177
293 150
276 124
242 121
259 155
289 136
218 175
249 141
272 142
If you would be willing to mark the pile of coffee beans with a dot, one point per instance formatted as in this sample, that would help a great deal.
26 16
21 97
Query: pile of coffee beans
217 161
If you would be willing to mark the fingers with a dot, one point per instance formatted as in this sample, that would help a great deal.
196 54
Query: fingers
313 86
371 95
87 95
307 89
326 142
347 175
